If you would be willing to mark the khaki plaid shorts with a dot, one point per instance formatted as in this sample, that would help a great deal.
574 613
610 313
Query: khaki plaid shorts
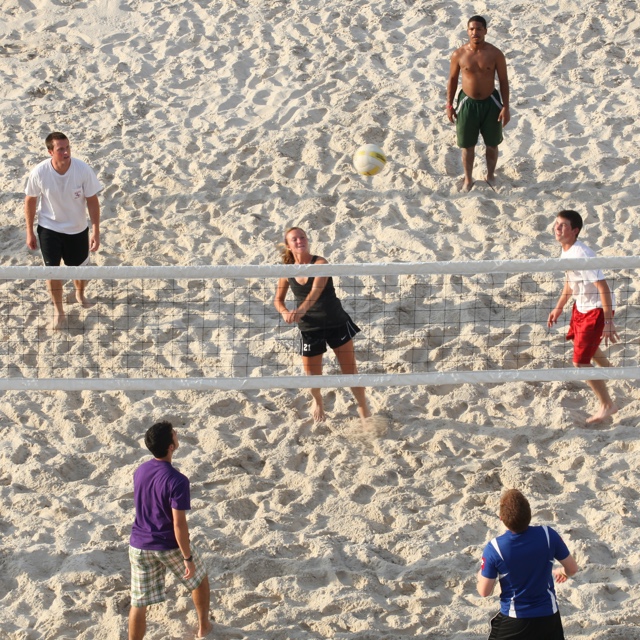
148 570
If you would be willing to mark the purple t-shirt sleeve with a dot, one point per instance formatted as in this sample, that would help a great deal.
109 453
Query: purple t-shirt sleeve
180 498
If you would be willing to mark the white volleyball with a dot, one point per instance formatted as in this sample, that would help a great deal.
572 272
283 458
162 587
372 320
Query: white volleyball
369 160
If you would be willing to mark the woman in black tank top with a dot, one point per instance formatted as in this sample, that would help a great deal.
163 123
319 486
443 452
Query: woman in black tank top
321 319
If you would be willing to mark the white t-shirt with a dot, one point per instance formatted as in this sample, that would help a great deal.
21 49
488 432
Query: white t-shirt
583 283
62 203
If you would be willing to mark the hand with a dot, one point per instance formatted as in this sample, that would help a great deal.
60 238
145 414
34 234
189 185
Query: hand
610 334
451 114
559 575
190 569
291 317
553 317
504 116
32 242
94 241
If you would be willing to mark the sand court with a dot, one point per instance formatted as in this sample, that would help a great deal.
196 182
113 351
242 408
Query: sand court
213 127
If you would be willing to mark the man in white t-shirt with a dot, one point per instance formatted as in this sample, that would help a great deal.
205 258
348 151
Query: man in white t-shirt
593 309
61 190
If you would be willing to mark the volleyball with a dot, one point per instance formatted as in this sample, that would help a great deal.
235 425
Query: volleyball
369 160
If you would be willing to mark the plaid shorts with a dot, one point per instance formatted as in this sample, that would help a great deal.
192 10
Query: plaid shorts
148 569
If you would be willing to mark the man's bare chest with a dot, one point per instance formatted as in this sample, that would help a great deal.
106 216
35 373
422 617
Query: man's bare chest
478 63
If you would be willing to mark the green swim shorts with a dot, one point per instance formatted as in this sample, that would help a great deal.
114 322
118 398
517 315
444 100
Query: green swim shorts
478 116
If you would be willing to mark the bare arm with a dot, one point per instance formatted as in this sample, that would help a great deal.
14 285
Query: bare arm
485 585
30 203
279 303
569 568
567 292
503 80
181 531
452 85
610 334
93 206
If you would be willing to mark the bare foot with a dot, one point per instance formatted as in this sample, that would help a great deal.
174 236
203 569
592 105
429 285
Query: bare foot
603 414
317 409
205 630
364 414
59 321
84 301
491 180
466 186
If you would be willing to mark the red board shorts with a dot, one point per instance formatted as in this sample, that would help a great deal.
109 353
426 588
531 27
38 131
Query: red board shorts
585 329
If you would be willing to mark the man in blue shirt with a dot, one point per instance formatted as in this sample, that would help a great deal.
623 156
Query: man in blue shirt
522 559
160 534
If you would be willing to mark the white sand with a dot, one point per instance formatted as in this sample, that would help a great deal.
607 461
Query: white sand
213 126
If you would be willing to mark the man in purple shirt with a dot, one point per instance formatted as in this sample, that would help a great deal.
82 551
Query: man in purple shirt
160 535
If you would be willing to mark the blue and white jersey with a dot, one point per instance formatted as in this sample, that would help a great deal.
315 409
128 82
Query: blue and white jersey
523 563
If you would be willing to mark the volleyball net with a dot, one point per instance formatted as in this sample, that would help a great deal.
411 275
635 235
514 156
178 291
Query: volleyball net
215 327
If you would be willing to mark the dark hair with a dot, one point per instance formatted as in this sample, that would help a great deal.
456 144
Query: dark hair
158 438
285 252
479 19
56 135
515 511
573 217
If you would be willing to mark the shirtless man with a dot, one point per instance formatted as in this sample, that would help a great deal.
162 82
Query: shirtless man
479 108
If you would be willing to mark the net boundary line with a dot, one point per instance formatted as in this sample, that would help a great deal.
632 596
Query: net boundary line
327 381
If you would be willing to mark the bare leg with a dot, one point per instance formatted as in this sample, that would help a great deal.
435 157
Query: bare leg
201 598
492 161
347 360
313 367
607 407
80 297
55 291
137 623
468 156
600 359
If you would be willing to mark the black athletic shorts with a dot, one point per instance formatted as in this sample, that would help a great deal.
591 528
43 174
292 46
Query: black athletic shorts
73 248
314 343
544 628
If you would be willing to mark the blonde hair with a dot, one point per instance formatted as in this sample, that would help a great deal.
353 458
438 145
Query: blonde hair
285 252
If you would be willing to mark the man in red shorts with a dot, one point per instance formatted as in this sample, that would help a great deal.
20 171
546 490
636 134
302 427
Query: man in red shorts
592 314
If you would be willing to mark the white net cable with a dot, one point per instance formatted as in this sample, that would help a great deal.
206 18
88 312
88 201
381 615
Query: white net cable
215 327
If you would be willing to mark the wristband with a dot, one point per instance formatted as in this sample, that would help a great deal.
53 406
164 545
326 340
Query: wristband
449 106
189 559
